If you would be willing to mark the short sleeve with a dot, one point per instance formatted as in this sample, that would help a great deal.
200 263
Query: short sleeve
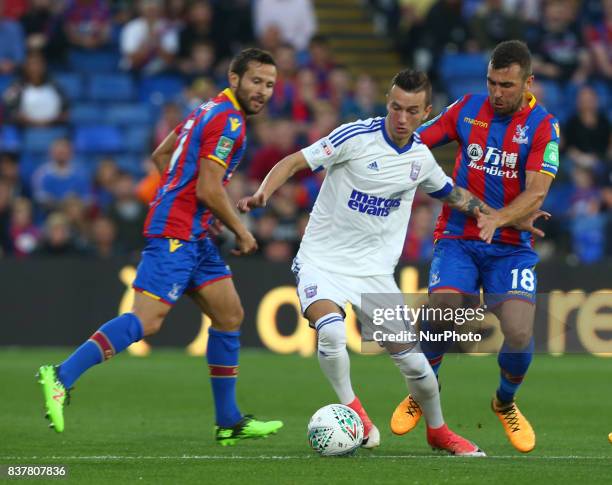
443 128
544 153
221 136
435 182
339 144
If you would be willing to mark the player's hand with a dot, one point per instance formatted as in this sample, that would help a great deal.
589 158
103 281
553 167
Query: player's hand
216 227
251 202
487 223
246 244
528 223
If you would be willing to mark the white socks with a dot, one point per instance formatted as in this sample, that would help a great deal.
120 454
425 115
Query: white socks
333 357
422 384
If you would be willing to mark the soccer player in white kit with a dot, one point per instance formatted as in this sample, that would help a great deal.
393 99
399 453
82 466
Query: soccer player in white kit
356 233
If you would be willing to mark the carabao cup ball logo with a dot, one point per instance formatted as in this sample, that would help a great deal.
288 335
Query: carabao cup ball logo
474 151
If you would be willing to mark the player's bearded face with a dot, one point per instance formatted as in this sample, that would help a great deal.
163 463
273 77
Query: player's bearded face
255 87
507 88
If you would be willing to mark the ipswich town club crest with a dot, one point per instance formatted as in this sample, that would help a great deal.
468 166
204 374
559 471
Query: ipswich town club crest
311 291
415 170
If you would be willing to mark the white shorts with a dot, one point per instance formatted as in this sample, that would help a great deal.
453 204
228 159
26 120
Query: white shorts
364 293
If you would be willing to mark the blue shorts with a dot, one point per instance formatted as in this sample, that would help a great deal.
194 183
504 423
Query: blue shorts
169 267
503 271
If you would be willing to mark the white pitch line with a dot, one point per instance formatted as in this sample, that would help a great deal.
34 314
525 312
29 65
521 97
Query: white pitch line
279 457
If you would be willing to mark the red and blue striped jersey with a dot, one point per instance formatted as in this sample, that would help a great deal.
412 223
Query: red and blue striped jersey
215 130
494 154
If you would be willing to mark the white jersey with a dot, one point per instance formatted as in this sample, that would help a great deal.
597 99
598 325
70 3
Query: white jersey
359 220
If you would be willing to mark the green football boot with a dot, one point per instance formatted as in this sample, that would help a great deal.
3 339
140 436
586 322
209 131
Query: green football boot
247 428
55 394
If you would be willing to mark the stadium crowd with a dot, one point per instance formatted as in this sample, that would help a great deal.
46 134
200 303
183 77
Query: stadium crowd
90 87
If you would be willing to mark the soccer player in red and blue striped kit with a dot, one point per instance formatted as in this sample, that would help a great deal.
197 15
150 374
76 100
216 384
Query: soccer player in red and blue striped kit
508 155
197 160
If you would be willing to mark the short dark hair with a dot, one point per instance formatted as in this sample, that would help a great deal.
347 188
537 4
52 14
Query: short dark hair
240 62
413 81
512 52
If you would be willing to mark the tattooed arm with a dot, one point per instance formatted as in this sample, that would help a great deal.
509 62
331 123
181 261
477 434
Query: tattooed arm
466 202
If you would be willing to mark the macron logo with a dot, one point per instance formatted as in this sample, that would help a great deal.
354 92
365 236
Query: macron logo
371 205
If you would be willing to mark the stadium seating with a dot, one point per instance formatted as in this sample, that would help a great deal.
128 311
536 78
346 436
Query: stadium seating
5 81
86 113
463 66
92 139
10 140
110 87
38 140
71 84
137 139
93 61
128 114
160 89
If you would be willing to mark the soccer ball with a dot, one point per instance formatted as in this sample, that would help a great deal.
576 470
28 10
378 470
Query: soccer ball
335 430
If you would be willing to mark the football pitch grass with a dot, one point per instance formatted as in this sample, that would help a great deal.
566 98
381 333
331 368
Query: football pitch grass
150 420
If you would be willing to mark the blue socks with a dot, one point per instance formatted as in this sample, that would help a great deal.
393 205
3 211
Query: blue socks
434 351
110 339
513 364
222 355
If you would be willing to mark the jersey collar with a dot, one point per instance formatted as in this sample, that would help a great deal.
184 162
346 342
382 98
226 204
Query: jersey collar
230 95
392 144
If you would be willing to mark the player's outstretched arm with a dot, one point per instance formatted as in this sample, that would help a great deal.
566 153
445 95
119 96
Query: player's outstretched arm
522 212
163 153
464 201
279 174
210 191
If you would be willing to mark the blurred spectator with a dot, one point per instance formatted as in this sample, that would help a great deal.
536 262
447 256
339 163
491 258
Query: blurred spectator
104 238
149 42
599 40
35 99
42 28
59 178
147 188
340 94
418 245
25 236
6 195
78 219
197 29
87 23
57 240
176 12
588 223
412 15
284 89
12 44
201 63
295 19
321 63
9 171
528 10
13 9
271 38
170 118
444 29
556 44
104 182
366 99
305 96
232 26
279 140
127 214
325 120
200 90
587 134
493 24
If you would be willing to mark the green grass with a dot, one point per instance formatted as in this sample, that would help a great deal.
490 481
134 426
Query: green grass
150 420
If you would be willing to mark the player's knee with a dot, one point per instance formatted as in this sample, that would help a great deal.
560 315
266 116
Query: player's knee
151 324
518 338
331 338
412 364
231 320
